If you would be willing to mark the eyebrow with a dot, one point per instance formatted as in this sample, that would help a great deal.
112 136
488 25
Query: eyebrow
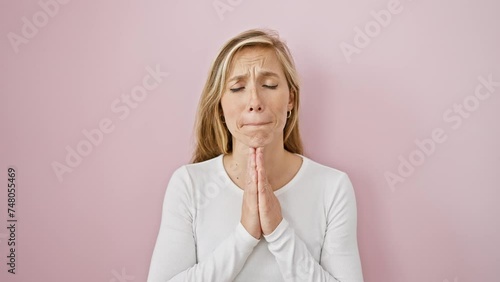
262 73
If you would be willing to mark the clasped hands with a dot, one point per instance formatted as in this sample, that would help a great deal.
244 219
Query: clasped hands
261 209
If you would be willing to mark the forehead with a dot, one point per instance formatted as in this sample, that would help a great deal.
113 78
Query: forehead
254 57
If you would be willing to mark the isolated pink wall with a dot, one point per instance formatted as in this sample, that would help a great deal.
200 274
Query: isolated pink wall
359 113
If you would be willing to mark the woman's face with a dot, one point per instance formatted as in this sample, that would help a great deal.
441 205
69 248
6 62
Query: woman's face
256 98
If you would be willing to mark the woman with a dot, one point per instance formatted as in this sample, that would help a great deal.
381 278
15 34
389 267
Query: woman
251 207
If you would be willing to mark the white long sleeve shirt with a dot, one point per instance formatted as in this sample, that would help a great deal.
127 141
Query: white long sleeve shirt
201 237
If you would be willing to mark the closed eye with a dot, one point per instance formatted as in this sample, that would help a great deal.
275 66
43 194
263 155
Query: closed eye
236 89
270 86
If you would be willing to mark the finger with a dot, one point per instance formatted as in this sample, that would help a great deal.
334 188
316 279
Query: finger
265 192
263 197
269 206
251 164
262 183
251 189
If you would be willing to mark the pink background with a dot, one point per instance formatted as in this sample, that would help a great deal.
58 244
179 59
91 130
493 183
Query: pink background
100 223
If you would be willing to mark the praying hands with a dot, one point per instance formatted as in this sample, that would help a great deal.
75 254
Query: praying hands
261 209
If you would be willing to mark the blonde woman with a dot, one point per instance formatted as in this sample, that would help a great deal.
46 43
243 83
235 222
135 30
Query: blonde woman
251 207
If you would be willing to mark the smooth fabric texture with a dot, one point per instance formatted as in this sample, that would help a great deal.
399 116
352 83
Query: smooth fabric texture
201 237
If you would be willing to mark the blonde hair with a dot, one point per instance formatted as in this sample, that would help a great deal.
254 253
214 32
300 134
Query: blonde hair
212 136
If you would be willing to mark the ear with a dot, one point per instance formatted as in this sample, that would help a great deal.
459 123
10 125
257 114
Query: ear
291 100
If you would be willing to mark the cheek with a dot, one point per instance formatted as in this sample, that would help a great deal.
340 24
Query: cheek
232 110
282 106
281 112
231 102
226 106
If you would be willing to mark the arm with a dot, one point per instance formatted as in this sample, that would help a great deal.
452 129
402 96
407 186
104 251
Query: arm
339 256
174 255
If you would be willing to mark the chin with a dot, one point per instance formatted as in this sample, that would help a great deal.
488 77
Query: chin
258 140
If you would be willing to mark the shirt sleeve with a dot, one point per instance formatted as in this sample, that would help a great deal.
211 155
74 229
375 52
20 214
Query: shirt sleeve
339 260
174 255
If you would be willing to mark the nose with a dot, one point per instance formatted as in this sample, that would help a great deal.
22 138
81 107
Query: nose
256 108
255 103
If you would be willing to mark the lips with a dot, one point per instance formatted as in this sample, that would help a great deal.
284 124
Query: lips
255 123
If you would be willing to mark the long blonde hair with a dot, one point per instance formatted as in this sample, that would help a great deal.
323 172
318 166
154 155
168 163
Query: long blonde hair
212 136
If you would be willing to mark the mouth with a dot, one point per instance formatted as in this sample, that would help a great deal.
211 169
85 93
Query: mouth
255 124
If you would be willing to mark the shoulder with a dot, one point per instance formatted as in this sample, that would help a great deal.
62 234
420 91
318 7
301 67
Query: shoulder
334 184
323 172
197 173
206 167
188 178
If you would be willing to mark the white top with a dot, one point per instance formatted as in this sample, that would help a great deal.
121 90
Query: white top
201 237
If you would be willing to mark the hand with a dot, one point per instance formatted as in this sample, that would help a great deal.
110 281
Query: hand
250 207
269 205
